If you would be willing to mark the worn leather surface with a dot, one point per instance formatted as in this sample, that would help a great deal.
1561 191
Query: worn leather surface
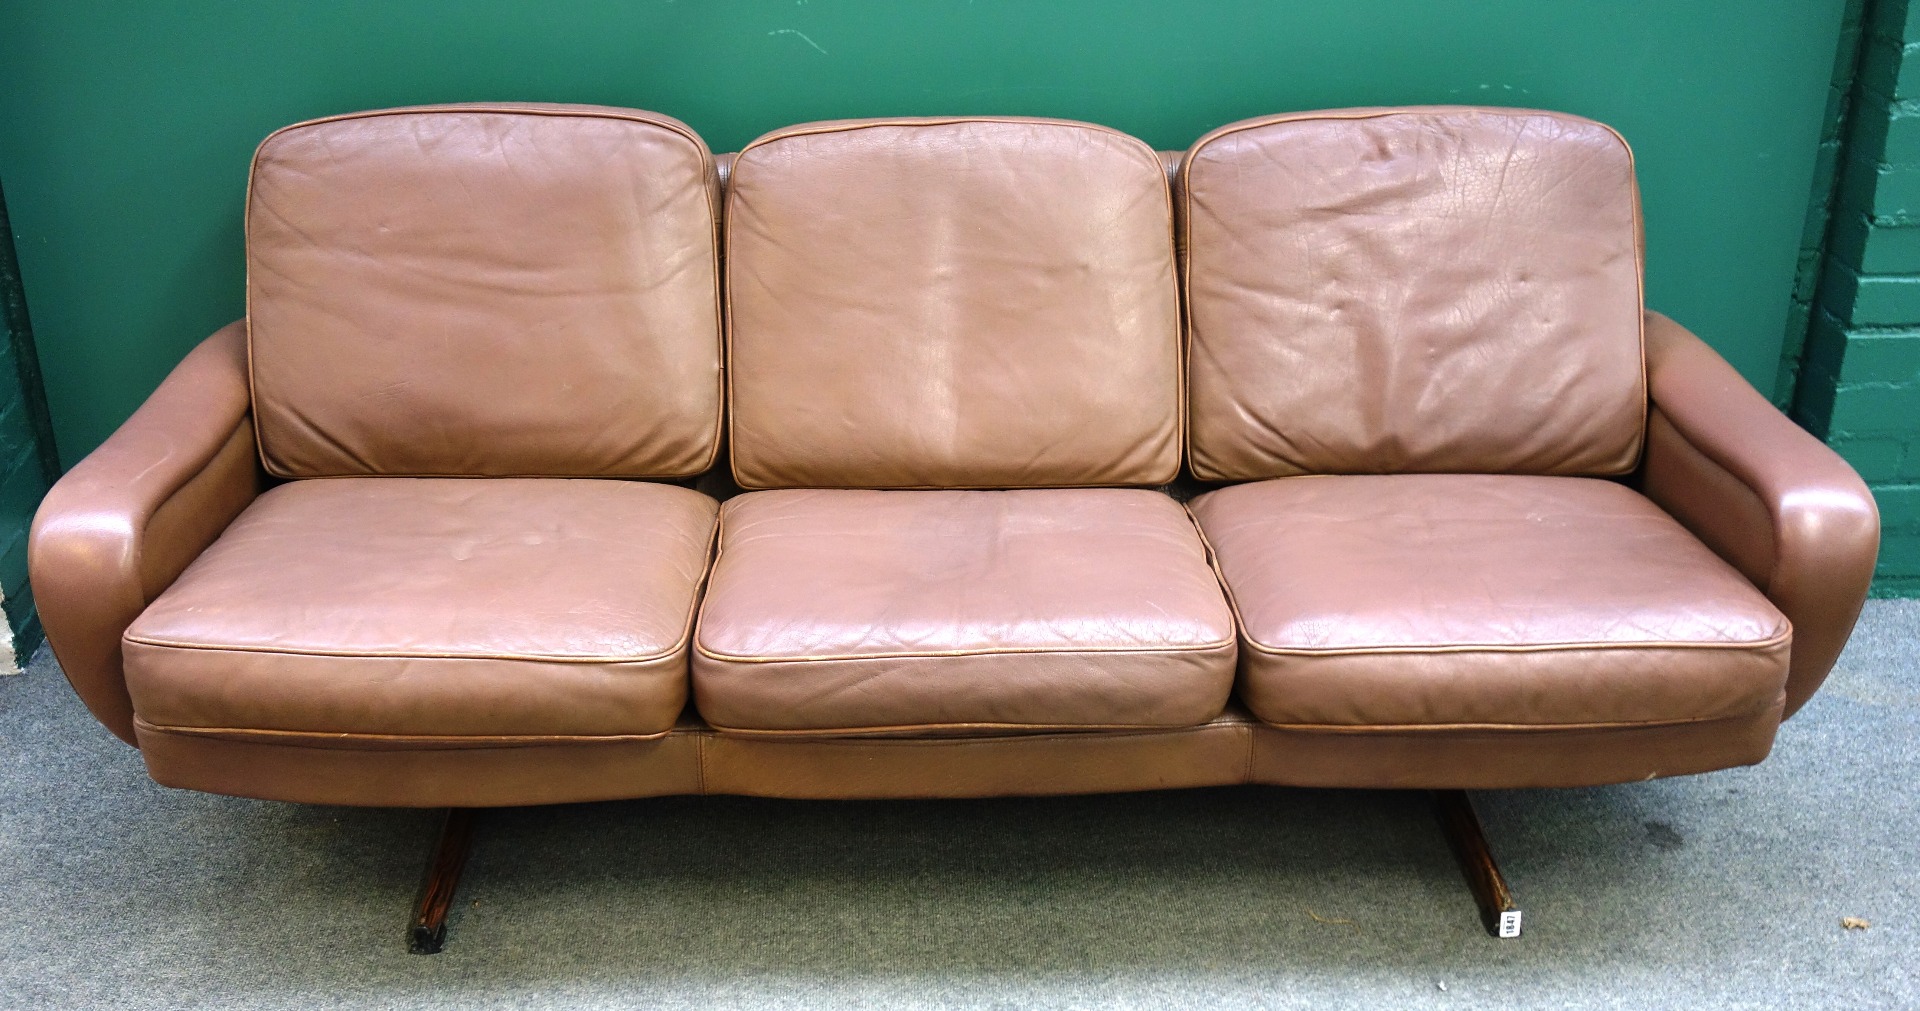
1484 600
889 611
412 773
433 608
1773 500
693 759
1500 758
1412 290
485 290
115 531
435 642
1214 753
951 303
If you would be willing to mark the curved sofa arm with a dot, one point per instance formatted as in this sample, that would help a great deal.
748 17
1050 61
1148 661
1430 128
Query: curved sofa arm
1774 501
122 524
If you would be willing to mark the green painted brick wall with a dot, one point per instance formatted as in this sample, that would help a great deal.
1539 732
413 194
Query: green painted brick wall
1822 228
1858 382
28 462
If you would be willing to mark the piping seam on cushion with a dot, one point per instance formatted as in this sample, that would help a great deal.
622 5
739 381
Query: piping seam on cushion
1036 731
678 648
1431 728
416 655
466 740
1747 645
982 651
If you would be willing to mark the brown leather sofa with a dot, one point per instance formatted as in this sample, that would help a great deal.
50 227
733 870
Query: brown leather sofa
526 481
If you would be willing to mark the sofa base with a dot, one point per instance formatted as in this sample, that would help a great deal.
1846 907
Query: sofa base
694 759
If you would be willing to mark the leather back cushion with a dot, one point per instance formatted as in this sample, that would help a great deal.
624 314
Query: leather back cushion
1392 290
485 290
952 303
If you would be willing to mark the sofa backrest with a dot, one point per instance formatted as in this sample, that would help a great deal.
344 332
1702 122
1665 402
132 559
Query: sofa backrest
485 290
982 303
1405 290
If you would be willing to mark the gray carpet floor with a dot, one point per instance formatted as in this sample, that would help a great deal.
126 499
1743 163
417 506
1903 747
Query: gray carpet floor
1718 891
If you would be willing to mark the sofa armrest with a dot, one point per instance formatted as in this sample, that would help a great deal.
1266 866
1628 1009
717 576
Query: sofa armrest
1771 499
122 524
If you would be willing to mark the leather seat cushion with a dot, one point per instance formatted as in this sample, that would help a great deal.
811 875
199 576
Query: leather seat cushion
960 611
1486 600
433 608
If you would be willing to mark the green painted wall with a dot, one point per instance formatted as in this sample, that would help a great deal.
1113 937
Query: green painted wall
1821 202
28 464
1859 385
125 128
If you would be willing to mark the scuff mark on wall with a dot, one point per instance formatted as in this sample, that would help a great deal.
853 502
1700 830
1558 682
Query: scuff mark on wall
802 35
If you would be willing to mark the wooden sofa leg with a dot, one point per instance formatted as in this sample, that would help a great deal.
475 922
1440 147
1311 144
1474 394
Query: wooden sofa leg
449 858
1469 844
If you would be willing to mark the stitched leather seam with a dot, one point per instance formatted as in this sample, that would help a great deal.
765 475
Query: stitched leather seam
853 125
557 111
1183 243
1444 728
982 651
1043 731
139 550
715 551
1754 645
1774 545
463 739
672 480
699 605
1718 460
498 656
711 190
1640 293
1185 237
1219 577
1179 324
1226 586
699 602
1144 486
1246 639
719 552
680 646
847 126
